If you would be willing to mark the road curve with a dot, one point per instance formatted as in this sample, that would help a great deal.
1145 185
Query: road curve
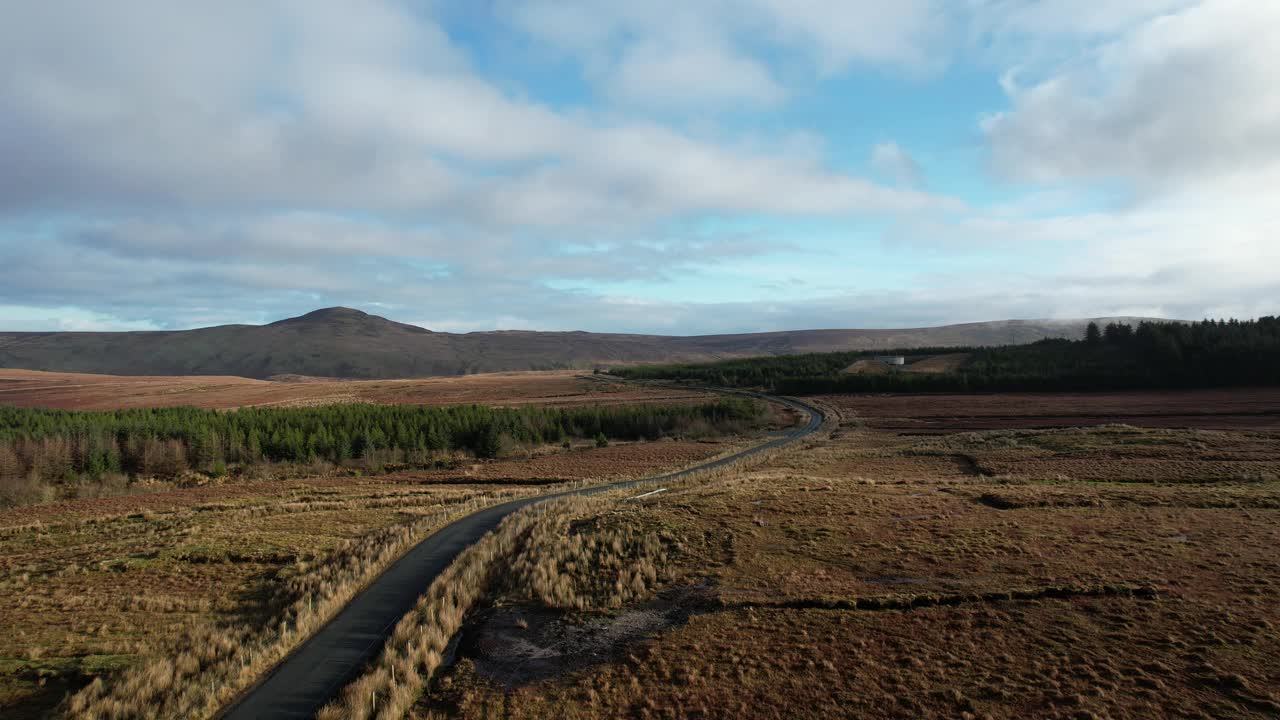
316 670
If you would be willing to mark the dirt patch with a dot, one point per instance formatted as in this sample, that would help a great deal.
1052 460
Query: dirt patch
929 364
937 363
867 367
516 646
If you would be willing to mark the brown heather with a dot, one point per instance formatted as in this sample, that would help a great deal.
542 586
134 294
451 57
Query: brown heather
886 574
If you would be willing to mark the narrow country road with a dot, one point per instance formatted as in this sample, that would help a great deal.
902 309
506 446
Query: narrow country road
314 672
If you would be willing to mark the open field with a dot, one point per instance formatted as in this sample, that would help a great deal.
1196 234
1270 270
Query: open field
1106 572
1030 570
618 461
96 586
72 391
1242 408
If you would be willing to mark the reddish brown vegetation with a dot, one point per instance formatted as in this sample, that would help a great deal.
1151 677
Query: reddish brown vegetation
71 391
1228 409
614 461
1016 562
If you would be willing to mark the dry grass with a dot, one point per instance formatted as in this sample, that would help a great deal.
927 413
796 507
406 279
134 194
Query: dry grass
216 661
1111 453
583 461
530 556
874 576
533 557
1091 658
1225 409
177 598
588 555
413 653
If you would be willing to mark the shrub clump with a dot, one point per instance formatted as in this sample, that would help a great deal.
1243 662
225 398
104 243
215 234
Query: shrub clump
575 562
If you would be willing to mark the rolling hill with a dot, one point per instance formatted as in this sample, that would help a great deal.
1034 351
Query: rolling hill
346 343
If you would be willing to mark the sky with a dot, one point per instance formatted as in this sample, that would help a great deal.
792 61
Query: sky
661 166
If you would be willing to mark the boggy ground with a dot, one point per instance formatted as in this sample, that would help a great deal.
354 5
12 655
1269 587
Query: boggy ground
1083 573
74 391
1227 409
92 587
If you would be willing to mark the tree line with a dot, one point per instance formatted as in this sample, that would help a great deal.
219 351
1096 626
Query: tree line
166 442
1164 355
763 372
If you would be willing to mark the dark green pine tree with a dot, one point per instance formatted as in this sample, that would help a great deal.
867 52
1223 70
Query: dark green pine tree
1092 334
490 442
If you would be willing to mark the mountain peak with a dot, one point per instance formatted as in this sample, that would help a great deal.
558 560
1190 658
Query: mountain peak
335 313
338 318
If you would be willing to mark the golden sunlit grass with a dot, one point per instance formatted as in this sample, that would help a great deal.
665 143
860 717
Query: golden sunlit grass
414 651
214 661
577 558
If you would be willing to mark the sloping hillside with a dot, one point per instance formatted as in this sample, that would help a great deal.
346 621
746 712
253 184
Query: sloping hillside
346 343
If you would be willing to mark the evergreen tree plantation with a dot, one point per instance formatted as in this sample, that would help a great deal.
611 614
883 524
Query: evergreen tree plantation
1165 355
164 442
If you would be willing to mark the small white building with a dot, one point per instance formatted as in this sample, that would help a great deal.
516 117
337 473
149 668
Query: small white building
891 359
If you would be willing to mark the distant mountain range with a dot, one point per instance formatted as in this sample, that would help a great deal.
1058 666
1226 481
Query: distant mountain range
345 343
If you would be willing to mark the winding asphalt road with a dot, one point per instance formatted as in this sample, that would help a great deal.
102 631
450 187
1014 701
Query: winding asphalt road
314 672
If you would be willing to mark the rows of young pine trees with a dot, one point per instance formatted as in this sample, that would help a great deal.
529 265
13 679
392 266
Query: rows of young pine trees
167 442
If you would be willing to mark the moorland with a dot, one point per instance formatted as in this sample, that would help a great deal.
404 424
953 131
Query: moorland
1032 549
1120 570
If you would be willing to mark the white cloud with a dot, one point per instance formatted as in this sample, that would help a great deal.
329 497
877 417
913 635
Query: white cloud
905 33
22 318
696 55
891 160
1179 98
247 160
1066 17
1176 108
368 110
690 74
